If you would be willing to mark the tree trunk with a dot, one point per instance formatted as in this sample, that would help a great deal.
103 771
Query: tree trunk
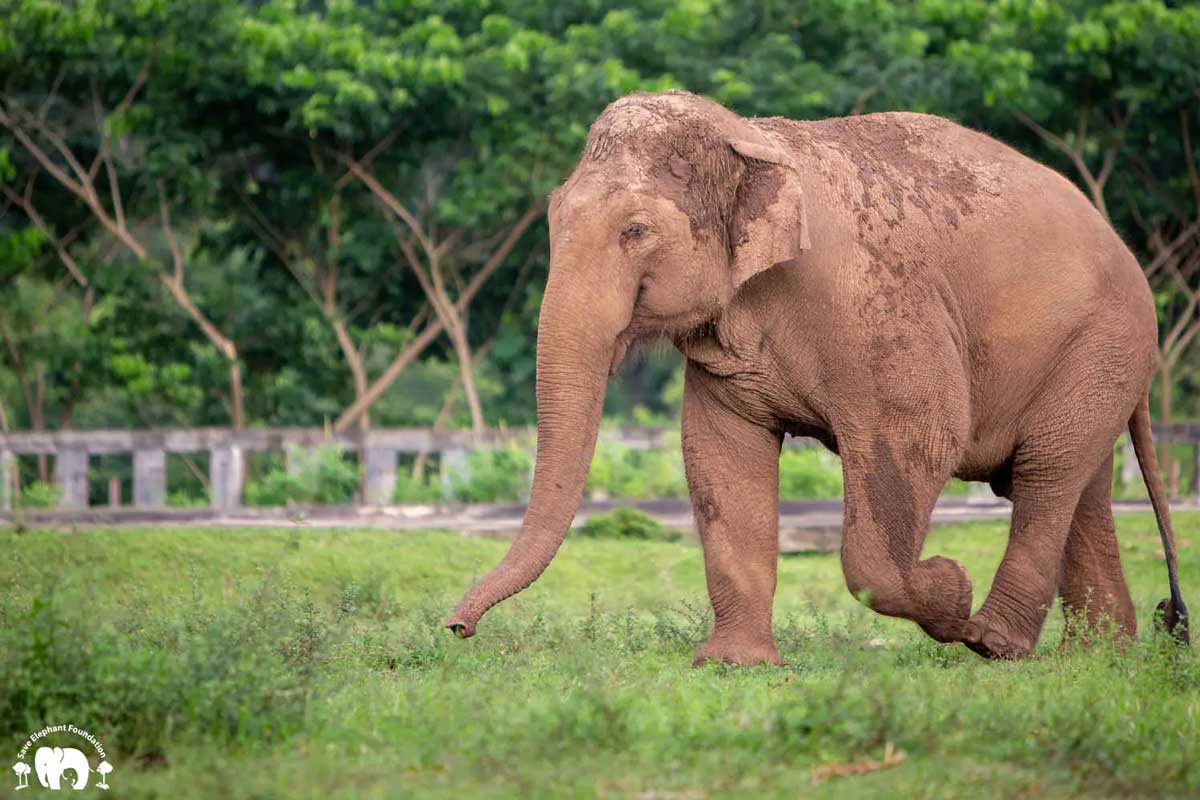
37 416
237 404
462 350
418 470
354 361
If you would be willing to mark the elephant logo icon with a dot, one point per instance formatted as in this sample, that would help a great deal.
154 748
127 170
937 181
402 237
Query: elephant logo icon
58 766
52 762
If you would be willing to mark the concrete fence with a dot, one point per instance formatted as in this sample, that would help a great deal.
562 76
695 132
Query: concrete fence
379 451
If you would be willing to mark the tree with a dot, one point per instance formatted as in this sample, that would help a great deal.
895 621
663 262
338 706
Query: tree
116 141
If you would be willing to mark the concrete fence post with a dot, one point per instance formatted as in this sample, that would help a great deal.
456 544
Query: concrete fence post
1196 477
8 480
226 469
149 478
295 458
379 470
454 466
71 476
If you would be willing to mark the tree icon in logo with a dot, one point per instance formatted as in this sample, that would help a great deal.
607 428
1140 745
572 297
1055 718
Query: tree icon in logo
103 769
22 769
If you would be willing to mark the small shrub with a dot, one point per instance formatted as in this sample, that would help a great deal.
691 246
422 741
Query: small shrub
809 474
956 488
495 475
320 476
627 523
624 472
239 673
270 490
182 498
40 495
426 489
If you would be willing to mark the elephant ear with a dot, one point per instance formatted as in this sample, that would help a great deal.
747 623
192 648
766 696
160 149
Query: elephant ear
768 224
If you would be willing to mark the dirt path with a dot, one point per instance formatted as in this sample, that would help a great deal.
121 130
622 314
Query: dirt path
804 525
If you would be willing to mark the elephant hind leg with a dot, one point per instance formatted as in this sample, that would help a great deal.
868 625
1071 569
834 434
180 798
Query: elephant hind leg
1093 587
886 519
1056 472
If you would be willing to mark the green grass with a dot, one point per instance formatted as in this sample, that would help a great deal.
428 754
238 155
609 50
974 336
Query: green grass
309 663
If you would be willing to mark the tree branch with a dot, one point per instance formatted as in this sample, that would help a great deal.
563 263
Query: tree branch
114 187
1189 157
31 212
174 284
390 201
434 327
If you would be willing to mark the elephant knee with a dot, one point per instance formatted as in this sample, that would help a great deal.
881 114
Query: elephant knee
875 589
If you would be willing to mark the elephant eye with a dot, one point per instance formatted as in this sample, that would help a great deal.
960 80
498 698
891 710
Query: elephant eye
634 231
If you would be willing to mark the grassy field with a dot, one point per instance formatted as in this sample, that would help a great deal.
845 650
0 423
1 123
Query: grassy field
309 663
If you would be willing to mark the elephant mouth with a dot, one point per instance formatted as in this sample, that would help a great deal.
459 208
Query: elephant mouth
625 340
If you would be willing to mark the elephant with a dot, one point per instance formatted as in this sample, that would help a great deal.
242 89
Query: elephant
52 762
920 298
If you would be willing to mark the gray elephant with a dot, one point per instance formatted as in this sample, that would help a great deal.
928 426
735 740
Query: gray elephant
52 762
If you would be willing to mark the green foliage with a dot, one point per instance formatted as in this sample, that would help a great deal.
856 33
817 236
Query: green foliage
316 476
619 471
494 475
39 495
289 657
426 489
182 498
956 488
238 118
238 674
809 474
626 523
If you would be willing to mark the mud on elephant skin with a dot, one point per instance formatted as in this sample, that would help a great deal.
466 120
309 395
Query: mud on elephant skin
923 299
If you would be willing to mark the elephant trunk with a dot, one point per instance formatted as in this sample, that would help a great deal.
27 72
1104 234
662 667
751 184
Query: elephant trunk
578 339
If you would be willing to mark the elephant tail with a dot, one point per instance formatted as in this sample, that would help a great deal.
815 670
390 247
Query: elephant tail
1174 612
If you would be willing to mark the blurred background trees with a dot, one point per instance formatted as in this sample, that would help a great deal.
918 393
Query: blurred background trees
286 212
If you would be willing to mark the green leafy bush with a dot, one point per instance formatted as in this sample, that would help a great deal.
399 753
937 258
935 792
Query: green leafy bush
426 489
494 475
182 498
956 488
240 672
320 476
40 495
624 472
626 523
809 474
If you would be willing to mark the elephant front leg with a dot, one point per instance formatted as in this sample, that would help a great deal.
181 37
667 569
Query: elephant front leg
891 488
733 477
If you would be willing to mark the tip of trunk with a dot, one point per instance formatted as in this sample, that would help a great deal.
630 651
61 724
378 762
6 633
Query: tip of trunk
461 628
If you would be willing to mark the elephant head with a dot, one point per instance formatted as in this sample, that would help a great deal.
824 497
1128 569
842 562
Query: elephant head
675 203
52 762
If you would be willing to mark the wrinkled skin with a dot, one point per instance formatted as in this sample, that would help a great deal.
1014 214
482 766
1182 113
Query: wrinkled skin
921 298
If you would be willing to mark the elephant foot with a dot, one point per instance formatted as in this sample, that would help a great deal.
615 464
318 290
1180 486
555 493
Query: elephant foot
995 639
739 651
944 596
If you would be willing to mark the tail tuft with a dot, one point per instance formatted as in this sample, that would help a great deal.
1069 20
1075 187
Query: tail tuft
1173 621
